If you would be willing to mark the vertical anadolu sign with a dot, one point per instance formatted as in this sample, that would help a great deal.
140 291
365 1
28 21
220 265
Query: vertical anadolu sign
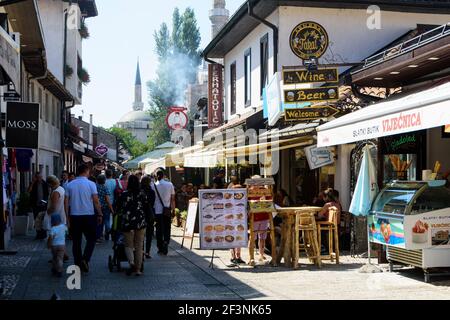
215 92
22 125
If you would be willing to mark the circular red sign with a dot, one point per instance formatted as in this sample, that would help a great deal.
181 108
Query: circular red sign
177 119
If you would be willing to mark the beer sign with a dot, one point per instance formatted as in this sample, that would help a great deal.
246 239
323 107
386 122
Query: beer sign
321 94
309 40
313 76
215 95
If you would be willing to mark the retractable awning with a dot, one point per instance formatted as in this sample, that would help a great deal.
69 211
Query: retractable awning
418 111
151 167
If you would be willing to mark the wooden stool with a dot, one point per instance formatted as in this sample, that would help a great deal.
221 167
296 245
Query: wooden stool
331 226
306 223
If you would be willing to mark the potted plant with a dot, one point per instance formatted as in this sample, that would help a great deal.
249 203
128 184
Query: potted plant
84 32
183 217
83 75
177 220
68 71
22 218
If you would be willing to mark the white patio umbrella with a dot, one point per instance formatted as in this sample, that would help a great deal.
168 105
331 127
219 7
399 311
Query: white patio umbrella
366 189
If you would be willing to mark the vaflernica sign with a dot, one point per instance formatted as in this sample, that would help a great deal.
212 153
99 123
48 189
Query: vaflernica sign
22 125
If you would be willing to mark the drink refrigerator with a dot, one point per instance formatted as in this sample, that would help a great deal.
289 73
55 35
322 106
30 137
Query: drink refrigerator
412 218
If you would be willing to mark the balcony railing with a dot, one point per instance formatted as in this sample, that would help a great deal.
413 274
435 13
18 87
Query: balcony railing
408 45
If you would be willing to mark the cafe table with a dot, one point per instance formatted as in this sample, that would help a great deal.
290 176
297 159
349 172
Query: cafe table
287 246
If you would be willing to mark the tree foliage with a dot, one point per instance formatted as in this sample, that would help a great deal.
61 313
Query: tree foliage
178 57
129 142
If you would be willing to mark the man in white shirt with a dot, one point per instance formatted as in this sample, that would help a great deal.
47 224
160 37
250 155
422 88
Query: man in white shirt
165 198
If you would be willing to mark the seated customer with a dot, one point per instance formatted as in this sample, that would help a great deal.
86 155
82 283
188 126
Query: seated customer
331 198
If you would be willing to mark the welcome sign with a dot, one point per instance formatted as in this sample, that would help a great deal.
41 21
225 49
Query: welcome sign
22 125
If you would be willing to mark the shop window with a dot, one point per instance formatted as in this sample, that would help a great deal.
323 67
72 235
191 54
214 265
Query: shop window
264 62
233 88
248 77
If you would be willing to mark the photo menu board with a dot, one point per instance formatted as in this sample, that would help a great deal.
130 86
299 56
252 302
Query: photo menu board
223 219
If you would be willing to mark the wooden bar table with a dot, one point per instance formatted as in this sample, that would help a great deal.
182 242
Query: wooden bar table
287 246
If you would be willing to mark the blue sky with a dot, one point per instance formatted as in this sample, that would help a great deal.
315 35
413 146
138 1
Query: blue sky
122 32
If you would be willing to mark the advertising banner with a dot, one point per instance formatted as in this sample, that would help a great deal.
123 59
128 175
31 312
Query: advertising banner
22 125
215 96
223 219
428 230
386 230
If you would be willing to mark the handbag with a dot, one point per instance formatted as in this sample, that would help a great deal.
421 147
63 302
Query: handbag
166 211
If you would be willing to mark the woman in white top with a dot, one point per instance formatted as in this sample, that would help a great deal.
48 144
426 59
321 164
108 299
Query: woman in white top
56 199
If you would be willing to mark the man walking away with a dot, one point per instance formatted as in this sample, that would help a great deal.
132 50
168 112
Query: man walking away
81 197
164 210
111 185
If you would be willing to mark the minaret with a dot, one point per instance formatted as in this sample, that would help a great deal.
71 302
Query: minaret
138 105
219 16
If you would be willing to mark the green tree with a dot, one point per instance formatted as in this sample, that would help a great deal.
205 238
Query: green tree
129 142
179 57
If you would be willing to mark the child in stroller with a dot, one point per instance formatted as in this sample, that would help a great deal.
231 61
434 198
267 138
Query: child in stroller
119 254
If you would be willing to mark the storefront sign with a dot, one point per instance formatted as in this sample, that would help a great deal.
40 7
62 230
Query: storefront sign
101 150
176 118
11 96
274 102
312 113
309 40
223 219
215 95
428 230
79 148
321 94
313 76
318 157
420 118
408 143
9 58
386 230
22 125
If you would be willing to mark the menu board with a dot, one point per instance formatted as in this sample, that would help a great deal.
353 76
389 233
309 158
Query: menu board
223 219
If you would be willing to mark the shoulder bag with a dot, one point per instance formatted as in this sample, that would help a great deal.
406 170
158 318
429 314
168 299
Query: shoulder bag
166 211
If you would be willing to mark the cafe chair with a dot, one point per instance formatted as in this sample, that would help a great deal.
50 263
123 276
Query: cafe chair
330 226
306 224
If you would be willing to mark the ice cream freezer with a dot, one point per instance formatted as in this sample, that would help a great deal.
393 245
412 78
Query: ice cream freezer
412 218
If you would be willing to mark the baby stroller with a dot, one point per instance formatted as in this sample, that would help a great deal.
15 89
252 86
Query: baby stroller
119 254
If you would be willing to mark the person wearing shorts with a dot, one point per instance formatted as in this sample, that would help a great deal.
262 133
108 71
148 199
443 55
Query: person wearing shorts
260 228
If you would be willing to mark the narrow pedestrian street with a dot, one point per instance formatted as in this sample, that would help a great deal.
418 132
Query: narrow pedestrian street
185 275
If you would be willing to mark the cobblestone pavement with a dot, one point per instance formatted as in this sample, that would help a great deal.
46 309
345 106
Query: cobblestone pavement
185 274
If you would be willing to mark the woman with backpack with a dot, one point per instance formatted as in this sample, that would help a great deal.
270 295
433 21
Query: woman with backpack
134 208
